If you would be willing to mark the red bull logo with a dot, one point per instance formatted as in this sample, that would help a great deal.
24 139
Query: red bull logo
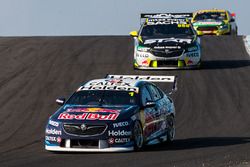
89 114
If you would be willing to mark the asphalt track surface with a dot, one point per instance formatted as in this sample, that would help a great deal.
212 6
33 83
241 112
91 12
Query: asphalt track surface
212 104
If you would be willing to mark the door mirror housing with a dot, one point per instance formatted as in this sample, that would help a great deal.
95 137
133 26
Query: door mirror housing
133 33
150 104
60 101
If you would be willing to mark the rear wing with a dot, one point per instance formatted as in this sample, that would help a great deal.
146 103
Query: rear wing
144 16
149 78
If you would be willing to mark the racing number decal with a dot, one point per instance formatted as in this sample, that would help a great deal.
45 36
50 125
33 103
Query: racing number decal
183 25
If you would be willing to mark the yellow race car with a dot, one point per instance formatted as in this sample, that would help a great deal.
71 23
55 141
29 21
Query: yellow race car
214 22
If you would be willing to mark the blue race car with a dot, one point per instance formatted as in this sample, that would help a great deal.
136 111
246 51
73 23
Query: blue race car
115 114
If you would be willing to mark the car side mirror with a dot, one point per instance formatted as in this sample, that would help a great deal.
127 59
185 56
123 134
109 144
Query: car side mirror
150 104
133 33
60 101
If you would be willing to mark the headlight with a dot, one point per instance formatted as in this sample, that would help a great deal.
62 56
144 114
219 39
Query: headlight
193 48
142 49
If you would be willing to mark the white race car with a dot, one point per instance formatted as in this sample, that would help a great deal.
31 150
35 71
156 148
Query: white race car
166 41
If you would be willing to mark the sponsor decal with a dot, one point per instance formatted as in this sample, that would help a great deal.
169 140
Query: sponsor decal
161 21
188 61
183 25
118 140
88 116
194 54
122 140
115 81
119 133
143 55
90 110
166 15
53 132
53 123
146 62
178 40
53 138
50 138
111 140
120 124
208 23
108 85
145 78
58 139
167 47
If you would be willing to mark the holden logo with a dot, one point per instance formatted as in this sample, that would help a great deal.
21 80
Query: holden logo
166 50
83 127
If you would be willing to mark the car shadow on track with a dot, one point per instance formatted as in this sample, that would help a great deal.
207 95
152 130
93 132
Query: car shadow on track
195 143
181 144
223 64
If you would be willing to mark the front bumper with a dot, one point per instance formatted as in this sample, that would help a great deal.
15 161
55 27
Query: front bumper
167 68
213 32
111 149
146 60
102 146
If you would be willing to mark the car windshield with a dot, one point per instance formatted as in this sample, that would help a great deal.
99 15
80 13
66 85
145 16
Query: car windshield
211 15
166 29
103 97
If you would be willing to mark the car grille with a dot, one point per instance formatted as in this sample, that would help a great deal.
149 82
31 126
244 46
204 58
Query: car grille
167 53
90 130
207 28
169 63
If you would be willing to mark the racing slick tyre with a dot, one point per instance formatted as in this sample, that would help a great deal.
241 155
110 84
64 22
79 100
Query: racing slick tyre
199 65
170 129
138 136
135 68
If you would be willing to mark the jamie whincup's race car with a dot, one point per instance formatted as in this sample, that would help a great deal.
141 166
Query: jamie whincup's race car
214 22
166 41
117 113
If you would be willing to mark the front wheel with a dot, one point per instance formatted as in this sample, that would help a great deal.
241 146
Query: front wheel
170 129
138 136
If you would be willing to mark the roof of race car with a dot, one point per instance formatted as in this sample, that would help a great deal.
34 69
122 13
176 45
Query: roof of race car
211 10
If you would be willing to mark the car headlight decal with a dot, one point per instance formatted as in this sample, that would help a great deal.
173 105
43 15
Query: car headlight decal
142 49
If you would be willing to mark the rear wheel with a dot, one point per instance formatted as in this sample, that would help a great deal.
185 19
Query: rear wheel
170 129
138 136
